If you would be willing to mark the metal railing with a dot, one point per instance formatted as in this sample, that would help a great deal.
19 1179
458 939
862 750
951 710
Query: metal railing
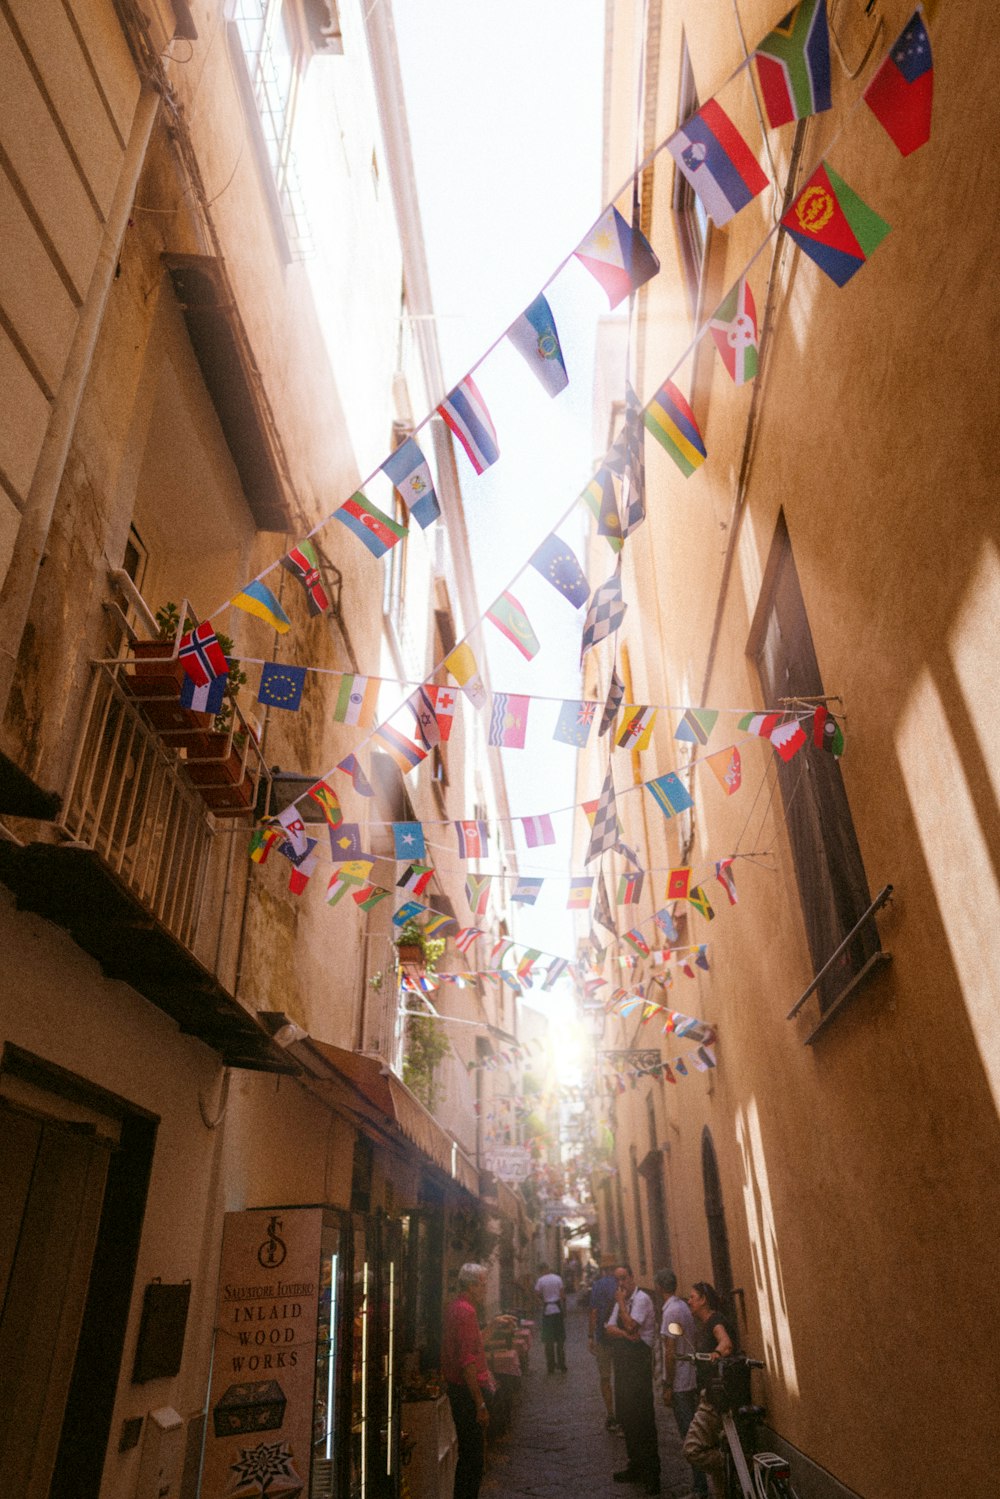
131 796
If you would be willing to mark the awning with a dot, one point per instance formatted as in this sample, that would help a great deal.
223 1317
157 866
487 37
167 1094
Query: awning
393 1099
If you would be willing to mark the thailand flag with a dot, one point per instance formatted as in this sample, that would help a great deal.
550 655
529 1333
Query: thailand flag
718 163
464 411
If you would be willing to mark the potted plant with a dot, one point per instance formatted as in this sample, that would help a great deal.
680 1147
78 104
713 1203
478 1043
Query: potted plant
415 950
220 769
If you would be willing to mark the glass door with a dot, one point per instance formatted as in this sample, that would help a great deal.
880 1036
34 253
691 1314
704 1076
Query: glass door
361 1339
327 1445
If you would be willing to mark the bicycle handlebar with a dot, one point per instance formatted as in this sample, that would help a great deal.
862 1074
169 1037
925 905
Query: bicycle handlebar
714 1358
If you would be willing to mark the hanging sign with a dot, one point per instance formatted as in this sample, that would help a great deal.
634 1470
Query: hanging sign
260 1421
510 1163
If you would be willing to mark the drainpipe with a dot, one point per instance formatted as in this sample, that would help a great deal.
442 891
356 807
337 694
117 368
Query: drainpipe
36 517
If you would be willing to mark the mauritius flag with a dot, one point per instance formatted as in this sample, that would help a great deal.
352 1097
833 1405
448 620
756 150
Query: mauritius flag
734 327
671 421
370 526
834 227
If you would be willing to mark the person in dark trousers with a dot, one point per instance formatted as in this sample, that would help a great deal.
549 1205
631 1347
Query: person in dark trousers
551 1293
632 1328
469 1382
602 1299
716 1336
680 1383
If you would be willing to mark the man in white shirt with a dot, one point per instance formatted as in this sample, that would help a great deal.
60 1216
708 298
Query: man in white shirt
550 1292
680 1382
632 1329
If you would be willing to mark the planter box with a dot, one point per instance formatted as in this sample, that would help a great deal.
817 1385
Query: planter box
219 775
410 954
157 671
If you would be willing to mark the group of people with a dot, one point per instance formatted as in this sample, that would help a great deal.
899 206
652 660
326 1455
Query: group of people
623 1335
624 1332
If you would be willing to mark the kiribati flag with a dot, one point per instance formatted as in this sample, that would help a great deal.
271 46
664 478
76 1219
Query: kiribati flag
464 411
717 162
671 421
833 225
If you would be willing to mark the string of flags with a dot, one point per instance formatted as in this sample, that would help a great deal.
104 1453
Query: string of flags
827 219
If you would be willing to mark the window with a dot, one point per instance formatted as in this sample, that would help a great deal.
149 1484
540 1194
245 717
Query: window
828 868
689 211
273 47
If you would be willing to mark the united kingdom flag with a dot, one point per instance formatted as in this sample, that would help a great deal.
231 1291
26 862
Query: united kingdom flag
201 655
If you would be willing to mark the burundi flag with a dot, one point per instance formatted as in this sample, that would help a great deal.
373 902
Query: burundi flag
511 620
357 700
303 565
411 478
793 65
534 337
718 163
619 258
508 720
734 327
257 599
465 413
378 532
833 225
901 93
671 421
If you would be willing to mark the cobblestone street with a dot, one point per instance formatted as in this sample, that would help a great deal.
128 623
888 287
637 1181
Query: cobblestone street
556 1443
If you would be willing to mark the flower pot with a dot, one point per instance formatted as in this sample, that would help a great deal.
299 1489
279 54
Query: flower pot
156 672
410 954
181 728
219 764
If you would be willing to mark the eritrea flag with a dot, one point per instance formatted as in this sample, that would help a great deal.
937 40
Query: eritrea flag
833 225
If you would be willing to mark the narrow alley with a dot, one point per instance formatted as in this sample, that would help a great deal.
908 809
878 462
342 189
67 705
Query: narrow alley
556 1443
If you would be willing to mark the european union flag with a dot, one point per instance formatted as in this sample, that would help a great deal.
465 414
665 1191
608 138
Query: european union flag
281 686
558 565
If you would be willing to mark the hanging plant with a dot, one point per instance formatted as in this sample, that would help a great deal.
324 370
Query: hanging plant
426 1045
416 950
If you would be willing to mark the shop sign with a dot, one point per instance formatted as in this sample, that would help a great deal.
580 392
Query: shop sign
512 1164
260 1417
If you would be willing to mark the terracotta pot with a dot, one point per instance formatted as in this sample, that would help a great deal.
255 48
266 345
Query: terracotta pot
411 954
157 671
181 728
219 764
229 801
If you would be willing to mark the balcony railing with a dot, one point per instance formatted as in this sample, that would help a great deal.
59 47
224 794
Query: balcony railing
148 781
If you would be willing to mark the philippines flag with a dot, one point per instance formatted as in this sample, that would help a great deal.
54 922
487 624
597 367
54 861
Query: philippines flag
718 163
464 411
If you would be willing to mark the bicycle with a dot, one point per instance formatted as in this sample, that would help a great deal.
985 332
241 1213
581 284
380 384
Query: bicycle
727 1388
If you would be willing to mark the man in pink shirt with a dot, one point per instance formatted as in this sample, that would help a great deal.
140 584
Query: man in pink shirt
468 1379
